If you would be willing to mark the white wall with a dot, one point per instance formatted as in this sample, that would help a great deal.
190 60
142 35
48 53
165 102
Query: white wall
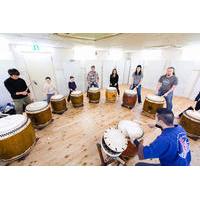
187 71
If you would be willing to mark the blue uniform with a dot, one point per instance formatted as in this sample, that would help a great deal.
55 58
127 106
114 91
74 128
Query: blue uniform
171 147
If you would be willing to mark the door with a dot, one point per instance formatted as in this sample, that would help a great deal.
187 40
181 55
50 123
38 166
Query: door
39 66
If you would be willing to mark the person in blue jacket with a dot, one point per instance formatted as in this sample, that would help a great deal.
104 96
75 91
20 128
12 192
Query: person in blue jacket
171 147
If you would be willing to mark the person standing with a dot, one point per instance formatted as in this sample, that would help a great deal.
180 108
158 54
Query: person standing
71 86
114 78
18 90
92 78
49 88
137 80
166 86
171 147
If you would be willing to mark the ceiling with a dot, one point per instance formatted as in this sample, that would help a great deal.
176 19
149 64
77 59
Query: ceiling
126 41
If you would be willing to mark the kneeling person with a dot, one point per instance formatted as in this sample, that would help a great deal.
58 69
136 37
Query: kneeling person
171 147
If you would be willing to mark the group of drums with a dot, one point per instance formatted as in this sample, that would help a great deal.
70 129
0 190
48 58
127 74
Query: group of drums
17 134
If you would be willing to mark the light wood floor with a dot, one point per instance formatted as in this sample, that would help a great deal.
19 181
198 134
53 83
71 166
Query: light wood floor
71 138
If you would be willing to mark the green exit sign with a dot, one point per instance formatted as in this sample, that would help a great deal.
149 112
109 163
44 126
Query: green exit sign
35 47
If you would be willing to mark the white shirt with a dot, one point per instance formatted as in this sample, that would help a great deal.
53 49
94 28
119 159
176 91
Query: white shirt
49 88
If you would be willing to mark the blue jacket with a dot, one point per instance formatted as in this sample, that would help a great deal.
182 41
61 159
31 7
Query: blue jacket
171 147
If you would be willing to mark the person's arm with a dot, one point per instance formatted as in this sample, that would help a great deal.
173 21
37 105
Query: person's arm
110 79
173 87
158 87
27 89
88 78
117 79
9 88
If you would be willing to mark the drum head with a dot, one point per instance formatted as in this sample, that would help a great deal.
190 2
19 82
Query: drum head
9 124
57 97
111 89
193 114
131 92
36 106
131 129
93 89
155 98
76 93
114 141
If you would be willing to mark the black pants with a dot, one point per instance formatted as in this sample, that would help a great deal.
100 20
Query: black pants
197 107
116 86
68 98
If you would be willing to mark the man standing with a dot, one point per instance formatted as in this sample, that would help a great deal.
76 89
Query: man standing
92 78
171 146
166 85
18 90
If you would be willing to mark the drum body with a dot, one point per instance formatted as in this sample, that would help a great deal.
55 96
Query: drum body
17 137
190 121
39 113
152 103
94 95
77 98
132 130
129 98
111 94
58 104
113 142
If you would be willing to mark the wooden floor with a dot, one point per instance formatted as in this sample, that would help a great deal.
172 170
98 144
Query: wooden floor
71 138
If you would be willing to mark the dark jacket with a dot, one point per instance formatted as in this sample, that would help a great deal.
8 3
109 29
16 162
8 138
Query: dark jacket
114 79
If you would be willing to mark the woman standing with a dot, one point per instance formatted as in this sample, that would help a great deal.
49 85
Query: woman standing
114 78
137 79
49 88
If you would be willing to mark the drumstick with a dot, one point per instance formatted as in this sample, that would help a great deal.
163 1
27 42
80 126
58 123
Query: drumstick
30 85
143 123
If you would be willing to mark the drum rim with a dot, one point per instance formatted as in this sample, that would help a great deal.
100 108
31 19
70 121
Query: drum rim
191 117
16 130
153 101
134 93
38 110
113 89
109 151
61 98
138 138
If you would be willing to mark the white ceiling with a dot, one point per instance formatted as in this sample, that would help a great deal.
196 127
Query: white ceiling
126 41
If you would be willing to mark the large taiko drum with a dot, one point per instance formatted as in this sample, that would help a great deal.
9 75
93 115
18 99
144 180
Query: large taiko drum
129 98
111 94
190 121
77 98
131 130
39 113
94 95
152 103
17 137
114 142
58 104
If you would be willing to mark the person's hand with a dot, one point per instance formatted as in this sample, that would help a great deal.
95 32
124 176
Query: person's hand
23 93
151 125
164 95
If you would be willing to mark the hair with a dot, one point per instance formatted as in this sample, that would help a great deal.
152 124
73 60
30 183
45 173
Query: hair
114 70
47 78
165 115
13 71
136 73
92 66
173 69
71 77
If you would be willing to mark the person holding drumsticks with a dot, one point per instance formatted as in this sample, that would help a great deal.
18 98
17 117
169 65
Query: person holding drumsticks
114 78
166 86
92 78
137 79
171 147
195 107
71 86
18 90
